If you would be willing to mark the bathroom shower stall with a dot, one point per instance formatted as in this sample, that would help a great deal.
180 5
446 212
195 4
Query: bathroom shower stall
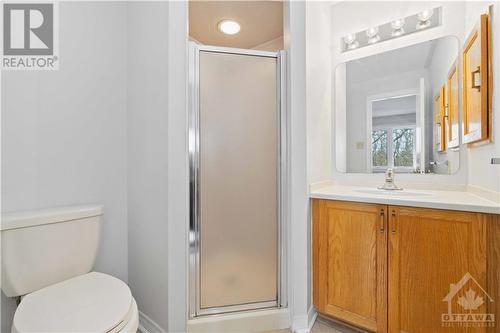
237 143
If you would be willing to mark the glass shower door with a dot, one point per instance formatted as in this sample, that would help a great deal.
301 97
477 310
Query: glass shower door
237 182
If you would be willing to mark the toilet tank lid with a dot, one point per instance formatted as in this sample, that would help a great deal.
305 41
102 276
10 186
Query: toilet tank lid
23 219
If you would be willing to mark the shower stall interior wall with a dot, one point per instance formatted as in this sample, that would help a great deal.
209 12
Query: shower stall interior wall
236 141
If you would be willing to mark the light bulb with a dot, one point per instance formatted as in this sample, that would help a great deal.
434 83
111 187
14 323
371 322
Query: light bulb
425 15
372 32
349 39
351 42
424 19
397 27
372 35
398 24
353 45
229 27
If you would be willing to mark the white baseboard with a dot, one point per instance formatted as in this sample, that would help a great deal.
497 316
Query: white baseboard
312 314
250 321
148 325
300 324
304 324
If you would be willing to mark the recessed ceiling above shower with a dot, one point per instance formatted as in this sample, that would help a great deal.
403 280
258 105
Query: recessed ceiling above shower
260 24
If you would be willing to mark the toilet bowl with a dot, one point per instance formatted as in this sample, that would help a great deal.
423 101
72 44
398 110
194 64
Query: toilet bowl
47 257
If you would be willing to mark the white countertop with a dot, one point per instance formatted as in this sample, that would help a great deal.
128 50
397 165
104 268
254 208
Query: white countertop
452 200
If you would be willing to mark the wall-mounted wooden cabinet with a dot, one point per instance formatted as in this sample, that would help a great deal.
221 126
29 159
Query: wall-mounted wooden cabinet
390 268
452 108
439 120
476 79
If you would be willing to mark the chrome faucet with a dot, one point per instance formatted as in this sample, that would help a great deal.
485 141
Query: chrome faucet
389 181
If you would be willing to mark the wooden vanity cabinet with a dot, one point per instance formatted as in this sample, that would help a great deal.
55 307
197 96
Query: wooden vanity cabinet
389 268
350 258
430 249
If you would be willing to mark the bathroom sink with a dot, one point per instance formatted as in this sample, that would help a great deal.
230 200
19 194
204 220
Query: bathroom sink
394 193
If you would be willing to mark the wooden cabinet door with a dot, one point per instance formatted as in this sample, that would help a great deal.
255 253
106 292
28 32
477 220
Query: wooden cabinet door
435 258
475 79
349 262
452 108
439 120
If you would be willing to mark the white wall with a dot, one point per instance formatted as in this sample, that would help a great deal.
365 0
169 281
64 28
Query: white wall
481 172
299 245
318 102
318 89
64 132
178 200
147 105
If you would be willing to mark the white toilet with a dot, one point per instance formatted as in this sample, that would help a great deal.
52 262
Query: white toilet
47 257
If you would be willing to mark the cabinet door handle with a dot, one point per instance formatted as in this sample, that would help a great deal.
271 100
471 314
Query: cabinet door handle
393 213
476 78
382 220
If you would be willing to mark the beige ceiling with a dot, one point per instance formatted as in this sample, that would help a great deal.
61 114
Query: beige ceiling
261 21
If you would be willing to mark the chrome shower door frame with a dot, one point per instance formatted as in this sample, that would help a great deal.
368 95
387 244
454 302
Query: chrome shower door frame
195 309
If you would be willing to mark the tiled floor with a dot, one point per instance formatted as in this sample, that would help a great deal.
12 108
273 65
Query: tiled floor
320 327
323 326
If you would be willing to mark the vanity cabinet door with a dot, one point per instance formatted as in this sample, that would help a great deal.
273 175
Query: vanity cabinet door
349 262
437 267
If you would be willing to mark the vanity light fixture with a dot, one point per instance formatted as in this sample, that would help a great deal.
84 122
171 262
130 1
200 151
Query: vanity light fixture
373 36
424 19
351 42
229 27
398 27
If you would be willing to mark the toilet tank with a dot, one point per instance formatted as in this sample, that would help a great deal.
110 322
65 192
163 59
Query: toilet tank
43 247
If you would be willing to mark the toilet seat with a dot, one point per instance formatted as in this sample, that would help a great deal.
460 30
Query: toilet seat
94 302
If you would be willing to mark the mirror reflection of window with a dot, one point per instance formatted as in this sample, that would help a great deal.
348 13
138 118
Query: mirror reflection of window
404 147
379 149
394 133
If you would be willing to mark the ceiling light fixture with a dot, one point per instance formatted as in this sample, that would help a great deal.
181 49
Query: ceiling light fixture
229 27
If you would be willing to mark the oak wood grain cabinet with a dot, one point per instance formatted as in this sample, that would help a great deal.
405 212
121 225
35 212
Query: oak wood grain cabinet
476 79
439 120
430 249
350 257
452 108
392 269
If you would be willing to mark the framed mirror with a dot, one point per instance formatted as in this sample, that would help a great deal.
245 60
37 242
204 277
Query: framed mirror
393 110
